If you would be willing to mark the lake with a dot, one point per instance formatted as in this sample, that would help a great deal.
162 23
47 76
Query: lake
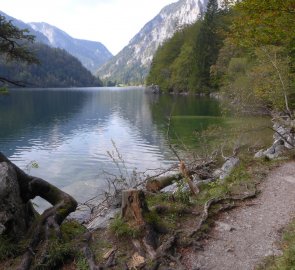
64 135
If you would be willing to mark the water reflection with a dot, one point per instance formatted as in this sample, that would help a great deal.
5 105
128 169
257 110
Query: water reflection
69 131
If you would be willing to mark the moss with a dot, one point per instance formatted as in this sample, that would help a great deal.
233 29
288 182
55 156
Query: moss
71 230
61 251
156 199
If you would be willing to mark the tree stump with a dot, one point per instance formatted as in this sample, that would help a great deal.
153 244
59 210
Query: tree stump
134 210
134 207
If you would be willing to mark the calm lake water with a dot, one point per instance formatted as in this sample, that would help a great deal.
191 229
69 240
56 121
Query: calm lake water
69 131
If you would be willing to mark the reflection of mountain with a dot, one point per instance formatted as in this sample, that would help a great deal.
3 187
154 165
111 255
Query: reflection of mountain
54 116
49 124
33 110
69 131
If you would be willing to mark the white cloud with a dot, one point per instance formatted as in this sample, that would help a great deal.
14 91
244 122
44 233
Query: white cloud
112 22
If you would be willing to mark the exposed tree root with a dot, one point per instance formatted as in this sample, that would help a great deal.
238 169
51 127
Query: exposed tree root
50 221
164 251
213 201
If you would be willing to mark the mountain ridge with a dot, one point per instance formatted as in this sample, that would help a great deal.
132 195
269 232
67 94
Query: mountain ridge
132 63
92 54
57 68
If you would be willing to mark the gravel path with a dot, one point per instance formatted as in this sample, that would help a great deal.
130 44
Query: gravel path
245 235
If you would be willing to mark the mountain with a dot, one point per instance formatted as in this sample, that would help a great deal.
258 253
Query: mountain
131 65
92 54
57 67
21 25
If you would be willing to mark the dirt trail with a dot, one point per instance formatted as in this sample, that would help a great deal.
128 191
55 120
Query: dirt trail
245 235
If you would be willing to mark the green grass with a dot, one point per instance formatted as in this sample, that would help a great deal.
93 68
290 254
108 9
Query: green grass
82 263
58 253
122 229
8 248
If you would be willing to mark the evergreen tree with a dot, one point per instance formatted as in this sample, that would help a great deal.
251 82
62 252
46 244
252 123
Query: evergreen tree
15 45
207 45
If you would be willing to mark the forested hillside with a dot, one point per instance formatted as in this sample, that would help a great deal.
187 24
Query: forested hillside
183 63
57 68
26 62
246 51
91 54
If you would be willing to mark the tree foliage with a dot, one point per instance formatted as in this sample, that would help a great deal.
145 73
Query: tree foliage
15 46
267 22
264 33
247 50
14 42
183 63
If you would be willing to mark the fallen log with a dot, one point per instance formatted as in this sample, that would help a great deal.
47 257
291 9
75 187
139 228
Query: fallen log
156 184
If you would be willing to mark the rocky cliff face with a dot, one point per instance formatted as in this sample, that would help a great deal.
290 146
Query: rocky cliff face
131 65
91 54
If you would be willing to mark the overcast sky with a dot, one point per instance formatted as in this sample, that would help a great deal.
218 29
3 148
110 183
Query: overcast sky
112 22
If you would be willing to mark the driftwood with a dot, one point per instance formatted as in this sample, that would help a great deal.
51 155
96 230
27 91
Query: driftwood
51 219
